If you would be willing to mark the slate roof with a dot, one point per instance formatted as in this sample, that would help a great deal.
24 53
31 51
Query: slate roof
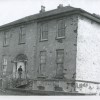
52 13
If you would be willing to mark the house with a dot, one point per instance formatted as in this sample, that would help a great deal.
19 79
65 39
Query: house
55 50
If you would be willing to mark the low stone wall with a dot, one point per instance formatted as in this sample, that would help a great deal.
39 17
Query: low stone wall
87 87
67 86
54 85
58 85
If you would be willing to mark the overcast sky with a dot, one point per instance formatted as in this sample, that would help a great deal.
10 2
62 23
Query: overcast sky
11 10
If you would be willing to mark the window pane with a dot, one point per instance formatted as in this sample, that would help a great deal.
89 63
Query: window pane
59 69
43 57
59 24
60 56
6 39
22 35
4 60
44 31
44 35
63 32
4 65
62 24
42 62
61 28
42 69
45 27
59 33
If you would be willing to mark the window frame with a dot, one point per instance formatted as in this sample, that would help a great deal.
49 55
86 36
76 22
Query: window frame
42 55
5 39
42 31
57 56
4 66
21 34
61 28
42 64
59 63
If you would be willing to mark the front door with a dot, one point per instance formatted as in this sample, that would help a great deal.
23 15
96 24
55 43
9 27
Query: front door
21 70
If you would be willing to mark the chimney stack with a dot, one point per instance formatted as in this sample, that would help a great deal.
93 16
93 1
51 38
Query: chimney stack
60 6
42 9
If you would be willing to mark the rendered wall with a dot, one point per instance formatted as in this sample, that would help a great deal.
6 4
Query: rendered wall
88 51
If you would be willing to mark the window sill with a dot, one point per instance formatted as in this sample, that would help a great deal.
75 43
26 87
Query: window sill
41 76
5 45
59 76
43 40
58 38
21 43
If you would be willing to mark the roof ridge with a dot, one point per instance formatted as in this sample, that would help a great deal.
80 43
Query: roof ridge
27 18
46 14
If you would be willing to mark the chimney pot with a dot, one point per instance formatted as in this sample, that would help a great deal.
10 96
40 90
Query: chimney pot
60 6
42 9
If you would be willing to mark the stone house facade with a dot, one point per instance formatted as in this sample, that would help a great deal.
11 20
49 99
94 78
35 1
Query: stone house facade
56 50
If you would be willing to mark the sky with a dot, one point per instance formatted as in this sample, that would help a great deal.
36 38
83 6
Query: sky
11 10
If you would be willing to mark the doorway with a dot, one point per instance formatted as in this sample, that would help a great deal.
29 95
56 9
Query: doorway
19 69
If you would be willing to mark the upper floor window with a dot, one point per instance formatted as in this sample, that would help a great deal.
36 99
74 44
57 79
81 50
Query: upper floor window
6 39
61 28
22 35
44 31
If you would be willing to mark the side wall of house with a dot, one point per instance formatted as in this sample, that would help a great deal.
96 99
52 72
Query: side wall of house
88 55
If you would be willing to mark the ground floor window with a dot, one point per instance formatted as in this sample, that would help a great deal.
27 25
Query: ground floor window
4 64
42 62
59 62
59 70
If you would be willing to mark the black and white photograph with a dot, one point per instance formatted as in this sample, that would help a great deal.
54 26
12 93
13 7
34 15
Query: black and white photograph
50 48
